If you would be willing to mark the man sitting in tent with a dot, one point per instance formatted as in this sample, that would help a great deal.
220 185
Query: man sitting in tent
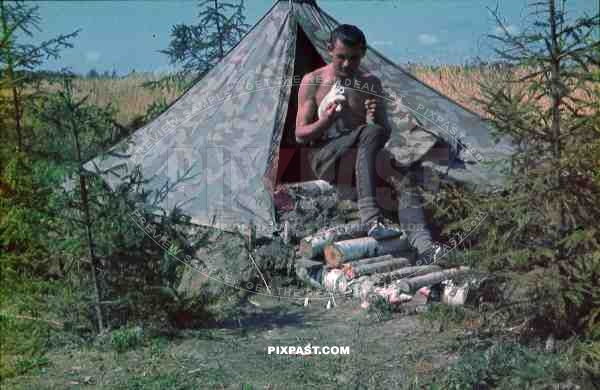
340 114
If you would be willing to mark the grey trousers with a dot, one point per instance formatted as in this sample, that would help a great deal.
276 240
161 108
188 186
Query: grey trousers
361 152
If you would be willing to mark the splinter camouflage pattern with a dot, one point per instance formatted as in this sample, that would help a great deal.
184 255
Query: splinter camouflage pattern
220 140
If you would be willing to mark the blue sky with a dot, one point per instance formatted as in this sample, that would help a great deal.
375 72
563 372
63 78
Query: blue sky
126 35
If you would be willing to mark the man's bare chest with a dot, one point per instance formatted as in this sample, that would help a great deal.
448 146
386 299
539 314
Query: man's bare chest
356 92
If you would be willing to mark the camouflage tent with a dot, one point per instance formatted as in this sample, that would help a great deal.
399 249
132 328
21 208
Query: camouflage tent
224 147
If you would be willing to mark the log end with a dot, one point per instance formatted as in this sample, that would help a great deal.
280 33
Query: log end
333 257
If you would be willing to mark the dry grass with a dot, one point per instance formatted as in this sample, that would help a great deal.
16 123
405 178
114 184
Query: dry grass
461 84
126 94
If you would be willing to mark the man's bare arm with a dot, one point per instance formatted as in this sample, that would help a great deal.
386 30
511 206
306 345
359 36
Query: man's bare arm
308 126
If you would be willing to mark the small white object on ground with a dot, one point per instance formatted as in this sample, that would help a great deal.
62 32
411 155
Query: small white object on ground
335 280
455 295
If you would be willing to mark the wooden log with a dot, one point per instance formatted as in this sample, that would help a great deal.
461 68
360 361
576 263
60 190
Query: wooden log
308 263
368 260
413 284
405 272
341 252
311 188
312 246
357 269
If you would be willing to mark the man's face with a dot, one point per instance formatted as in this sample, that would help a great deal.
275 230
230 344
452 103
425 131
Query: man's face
345 59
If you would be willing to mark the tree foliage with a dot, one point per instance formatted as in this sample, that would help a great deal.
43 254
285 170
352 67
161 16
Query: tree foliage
19 19
545 223
197 48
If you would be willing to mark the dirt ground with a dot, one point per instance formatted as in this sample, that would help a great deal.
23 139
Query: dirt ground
396 352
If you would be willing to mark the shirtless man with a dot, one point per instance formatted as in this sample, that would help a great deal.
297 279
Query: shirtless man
355 123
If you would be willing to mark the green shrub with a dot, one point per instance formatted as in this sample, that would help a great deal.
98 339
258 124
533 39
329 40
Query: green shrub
587 357
124 339
25 219
506 366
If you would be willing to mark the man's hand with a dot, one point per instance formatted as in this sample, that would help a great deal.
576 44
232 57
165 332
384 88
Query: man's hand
371 109
331 112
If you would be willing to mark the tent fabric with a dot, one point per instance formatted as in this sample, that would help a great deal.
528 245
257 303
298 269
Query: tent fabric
220 134
217 148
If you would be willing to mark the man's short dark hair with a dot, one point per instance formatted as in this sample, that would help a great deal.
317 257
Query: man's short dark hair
349 35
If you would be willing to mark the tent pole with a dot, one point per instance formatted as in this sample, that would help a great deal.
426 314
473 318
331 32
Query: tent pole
251 235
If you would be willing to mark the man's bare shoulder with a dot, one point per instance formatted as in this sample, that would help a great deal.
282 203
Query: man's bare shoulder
317 77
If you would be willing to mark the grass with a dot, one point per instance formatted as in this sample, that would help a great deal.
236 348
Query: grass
382 353
446 314
386 351
127 94
461 84
25 364
30 326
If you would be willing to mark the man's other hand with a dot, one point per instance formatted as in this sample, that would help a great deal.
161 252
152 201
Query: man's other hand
371 109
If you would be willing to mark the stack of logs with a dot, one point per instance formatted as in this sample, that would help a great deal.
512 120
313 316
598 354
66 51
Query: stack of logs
349 261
